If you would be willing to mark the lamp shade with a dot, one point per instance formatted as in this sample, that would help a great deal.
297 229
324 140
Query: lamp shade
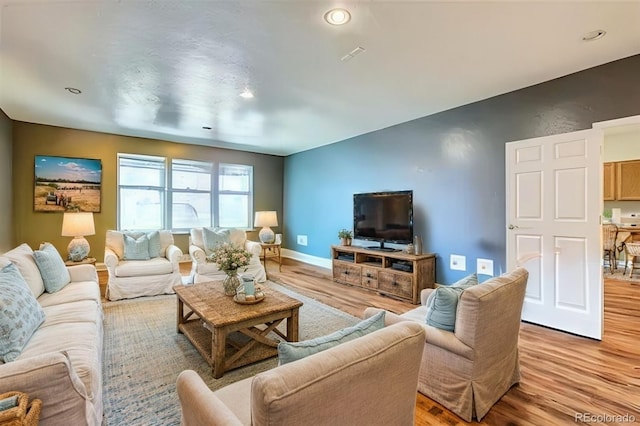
78 224
265 219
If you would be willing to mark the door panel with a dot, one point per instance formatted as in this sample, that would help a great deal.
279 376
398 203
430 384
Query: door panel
529 190
554 188
529 249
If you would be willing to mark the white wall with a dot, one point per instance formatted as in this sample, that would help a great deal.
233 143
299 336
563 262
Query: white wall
620 147
6 189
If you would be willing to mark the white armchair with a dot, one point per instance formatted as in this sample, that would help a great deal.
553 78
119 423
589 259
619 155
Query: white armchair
203 271
144 277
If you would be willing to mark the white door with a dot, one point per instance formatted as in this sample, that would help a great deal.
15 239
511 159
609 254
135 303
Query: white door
554 202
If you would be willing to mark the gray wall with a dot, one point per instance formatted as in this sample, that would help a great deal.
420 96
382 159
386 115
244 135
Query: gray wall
6 190
454 162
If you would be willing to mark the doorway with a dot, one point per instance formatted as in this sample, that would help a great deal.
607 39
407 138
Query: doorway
621 201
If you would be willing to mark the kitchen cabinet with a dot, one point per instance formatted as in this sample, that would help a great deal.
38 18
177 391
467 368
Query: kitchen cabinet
627 178
609 187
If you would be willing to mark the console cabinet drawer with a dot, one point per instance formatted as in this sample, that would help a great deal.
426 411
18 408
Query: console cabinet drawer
369 278
374 271
401 285
346 273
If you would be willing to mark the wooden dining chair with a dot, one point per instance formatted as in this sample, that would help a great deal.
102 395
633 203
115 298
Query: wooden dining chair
609 235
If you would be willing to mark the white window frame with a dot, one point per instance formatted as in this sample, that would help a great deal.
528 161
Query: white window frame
248 193
161 189
167 190
171 190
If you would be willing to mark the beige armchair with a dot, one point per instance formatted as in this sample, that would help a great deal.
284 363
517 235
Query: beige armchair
148 277
470 369
368 380
203 271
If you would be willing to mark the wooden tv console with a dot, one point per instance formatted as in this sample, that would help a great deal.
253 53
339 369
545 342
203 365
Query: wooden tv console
395 274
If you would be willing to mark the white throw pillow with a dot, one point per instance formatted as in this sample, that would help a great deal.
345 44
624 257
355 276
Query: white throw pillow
22 257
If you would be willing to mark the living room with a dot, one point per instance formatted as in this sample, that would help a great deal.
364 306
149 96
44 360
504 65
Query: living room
453 160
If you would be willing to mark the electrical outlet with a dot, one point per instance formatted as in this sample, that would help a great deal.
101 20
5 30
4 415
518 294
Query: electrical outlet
302 240
485 267
458 262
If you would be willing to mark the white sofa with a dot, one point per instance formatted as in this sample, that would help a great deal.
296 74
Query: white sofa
202 271
135 278
62 362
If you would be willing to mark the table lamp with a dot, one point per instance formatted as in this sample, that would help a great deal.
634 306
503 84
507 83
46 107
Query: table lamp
77 225
265 220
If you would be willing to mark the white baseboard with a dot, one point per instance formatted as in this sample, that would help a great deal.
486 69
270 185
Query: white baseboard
307 258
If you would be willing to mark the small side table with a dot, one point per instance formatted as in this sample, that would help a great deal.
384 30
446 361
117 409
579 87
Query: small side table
87 261
274 251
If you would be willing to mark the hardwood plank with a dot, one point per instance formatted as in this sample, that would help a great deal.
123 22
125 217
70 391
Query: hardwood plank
562 375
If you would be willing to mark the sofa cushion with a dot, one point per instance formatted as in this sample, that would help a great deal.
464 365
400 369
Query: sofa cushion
114 241
20 313
22 257
72 292
52 268
237 237
196 237
213 237
136 247
81 340
288 352
140 268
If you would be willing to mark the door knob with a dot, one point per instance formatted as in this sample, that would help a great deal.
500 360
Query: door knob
513 226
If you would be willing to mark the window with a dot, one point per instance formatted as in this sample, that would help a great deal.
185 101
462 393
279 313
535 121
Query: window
141 195
182 194
235 184
190 194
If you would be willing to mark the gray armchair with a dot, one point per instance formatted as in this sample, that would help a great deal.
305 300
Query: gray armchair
470 369
369 380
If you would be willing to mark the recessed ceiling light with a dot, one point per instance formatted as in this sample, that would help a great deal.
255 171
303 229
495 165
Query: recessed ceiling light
337 16
594 35
73 90
246 94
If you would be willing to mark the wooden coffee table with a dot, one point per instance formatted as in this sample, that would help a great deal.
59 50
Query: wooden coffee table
229 335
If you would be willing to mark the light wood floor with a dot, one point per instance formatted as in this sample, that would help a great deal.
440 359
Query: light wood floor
562 375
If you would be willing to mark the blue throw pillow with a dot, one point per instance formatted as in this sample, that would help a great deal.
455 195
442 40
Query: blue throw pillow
467 281
136 247
441 307
289 352
212 238
54 272
154 244
20 313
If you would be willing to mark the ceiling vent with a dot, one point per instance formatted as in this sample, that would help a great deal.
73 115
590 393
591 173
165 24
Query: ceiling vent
355 52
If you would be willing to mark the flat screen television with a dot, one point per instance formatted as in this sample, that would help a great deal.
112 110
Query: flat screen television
386 217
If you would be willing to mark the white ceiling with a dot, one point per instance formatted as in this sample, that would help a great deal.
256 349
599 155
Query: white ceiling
164 69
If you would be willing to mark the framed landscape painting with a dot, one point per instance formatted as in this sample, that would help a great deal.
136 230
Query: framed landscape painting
67 184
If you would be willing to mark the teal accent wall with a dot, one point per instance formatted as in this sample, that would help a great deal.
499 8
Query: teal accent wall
454 161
